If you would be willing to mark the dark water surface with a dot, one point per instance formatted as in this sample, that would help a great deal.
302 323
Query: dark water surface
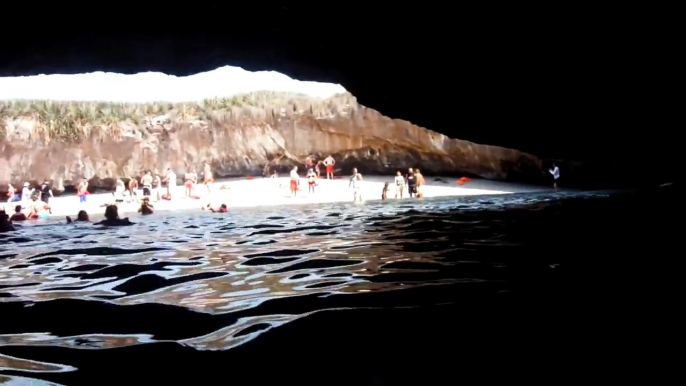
382 293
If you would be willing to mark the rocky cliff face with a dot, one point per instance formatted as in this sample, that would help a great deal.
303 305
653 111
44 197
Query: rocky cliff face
65 141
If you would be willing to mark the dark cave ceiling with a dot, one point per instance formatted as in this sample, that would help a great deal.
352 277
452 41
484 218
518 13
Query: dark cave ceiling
558 84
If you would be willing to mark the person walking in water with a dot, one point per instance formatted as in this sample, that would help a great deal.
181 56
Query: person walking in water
399 184
294 180
356 184
419 178
555 171
411 182
208 178
311 181
329 162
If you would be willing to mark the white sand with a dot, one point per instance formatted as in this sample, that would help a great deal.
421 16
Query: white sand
264 192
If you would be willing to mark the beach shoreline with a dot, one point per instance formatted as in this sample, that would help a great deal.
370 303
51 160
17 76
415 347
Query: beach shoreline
258 192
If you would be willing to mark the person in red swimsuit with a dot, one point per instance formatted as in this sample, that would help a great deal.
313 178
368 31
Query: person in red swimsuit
294 180
329 162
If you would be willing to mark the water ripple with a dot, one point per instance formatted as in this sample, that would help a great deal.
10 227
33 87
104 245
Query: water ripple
232 278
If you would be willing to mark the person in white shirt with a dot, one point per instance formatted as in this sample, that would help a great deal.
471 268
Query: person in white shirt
399 184
555 171
26 194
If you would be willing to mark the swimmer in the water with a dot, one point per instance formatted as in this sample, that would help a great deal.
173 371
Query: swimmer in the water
146 207
311 180
82 216
5 223
222 209
38 208
112 217
18 215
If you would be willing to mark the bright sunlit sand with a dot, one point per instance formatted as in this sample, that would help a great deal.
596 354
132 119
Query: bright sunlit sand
269 192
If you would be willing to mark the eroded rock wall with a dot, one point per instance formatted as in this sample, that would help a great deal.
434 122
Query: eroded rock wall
237 140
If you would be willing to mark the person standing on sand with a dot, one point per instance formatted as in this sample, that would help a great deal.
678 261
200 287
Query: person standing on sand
356 184
46 192
295 178
146 181
399 184
26 194
317 168
311 181
133 189
119 189
265 170
189 181
156 186
411 182
11 192
208 178
82 190
309 162
555 171
329 162
384 191
170 180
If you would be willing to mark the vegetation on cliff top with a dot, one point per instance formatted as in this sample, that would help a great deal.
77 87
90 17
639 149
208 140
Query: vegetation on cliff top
69 120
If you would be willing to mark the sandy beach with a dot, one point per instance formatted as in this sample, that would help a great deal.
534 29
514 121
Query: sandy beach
275 191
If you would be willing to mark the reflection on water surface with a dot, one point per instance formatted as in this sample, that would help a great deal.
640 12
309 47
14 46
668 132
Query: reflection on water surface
232 277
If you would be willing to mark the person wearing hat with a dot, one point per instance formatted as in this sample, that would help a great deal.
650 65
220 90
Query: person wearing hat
26 194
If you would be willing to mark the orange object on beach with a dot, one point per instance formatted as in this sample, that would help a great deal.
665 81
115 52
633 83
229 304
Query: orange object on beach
462 180
248 177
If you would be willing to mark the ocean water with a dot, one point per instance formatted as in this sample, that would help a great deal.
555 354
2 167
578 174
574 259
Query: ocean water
382 293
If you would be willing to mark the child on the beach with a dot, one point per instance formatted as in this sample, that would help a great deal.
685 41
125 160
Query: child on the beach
384 192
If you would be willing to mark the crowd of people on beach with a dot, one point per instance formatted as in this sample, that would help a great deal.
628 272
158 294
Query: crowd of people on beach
34 203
